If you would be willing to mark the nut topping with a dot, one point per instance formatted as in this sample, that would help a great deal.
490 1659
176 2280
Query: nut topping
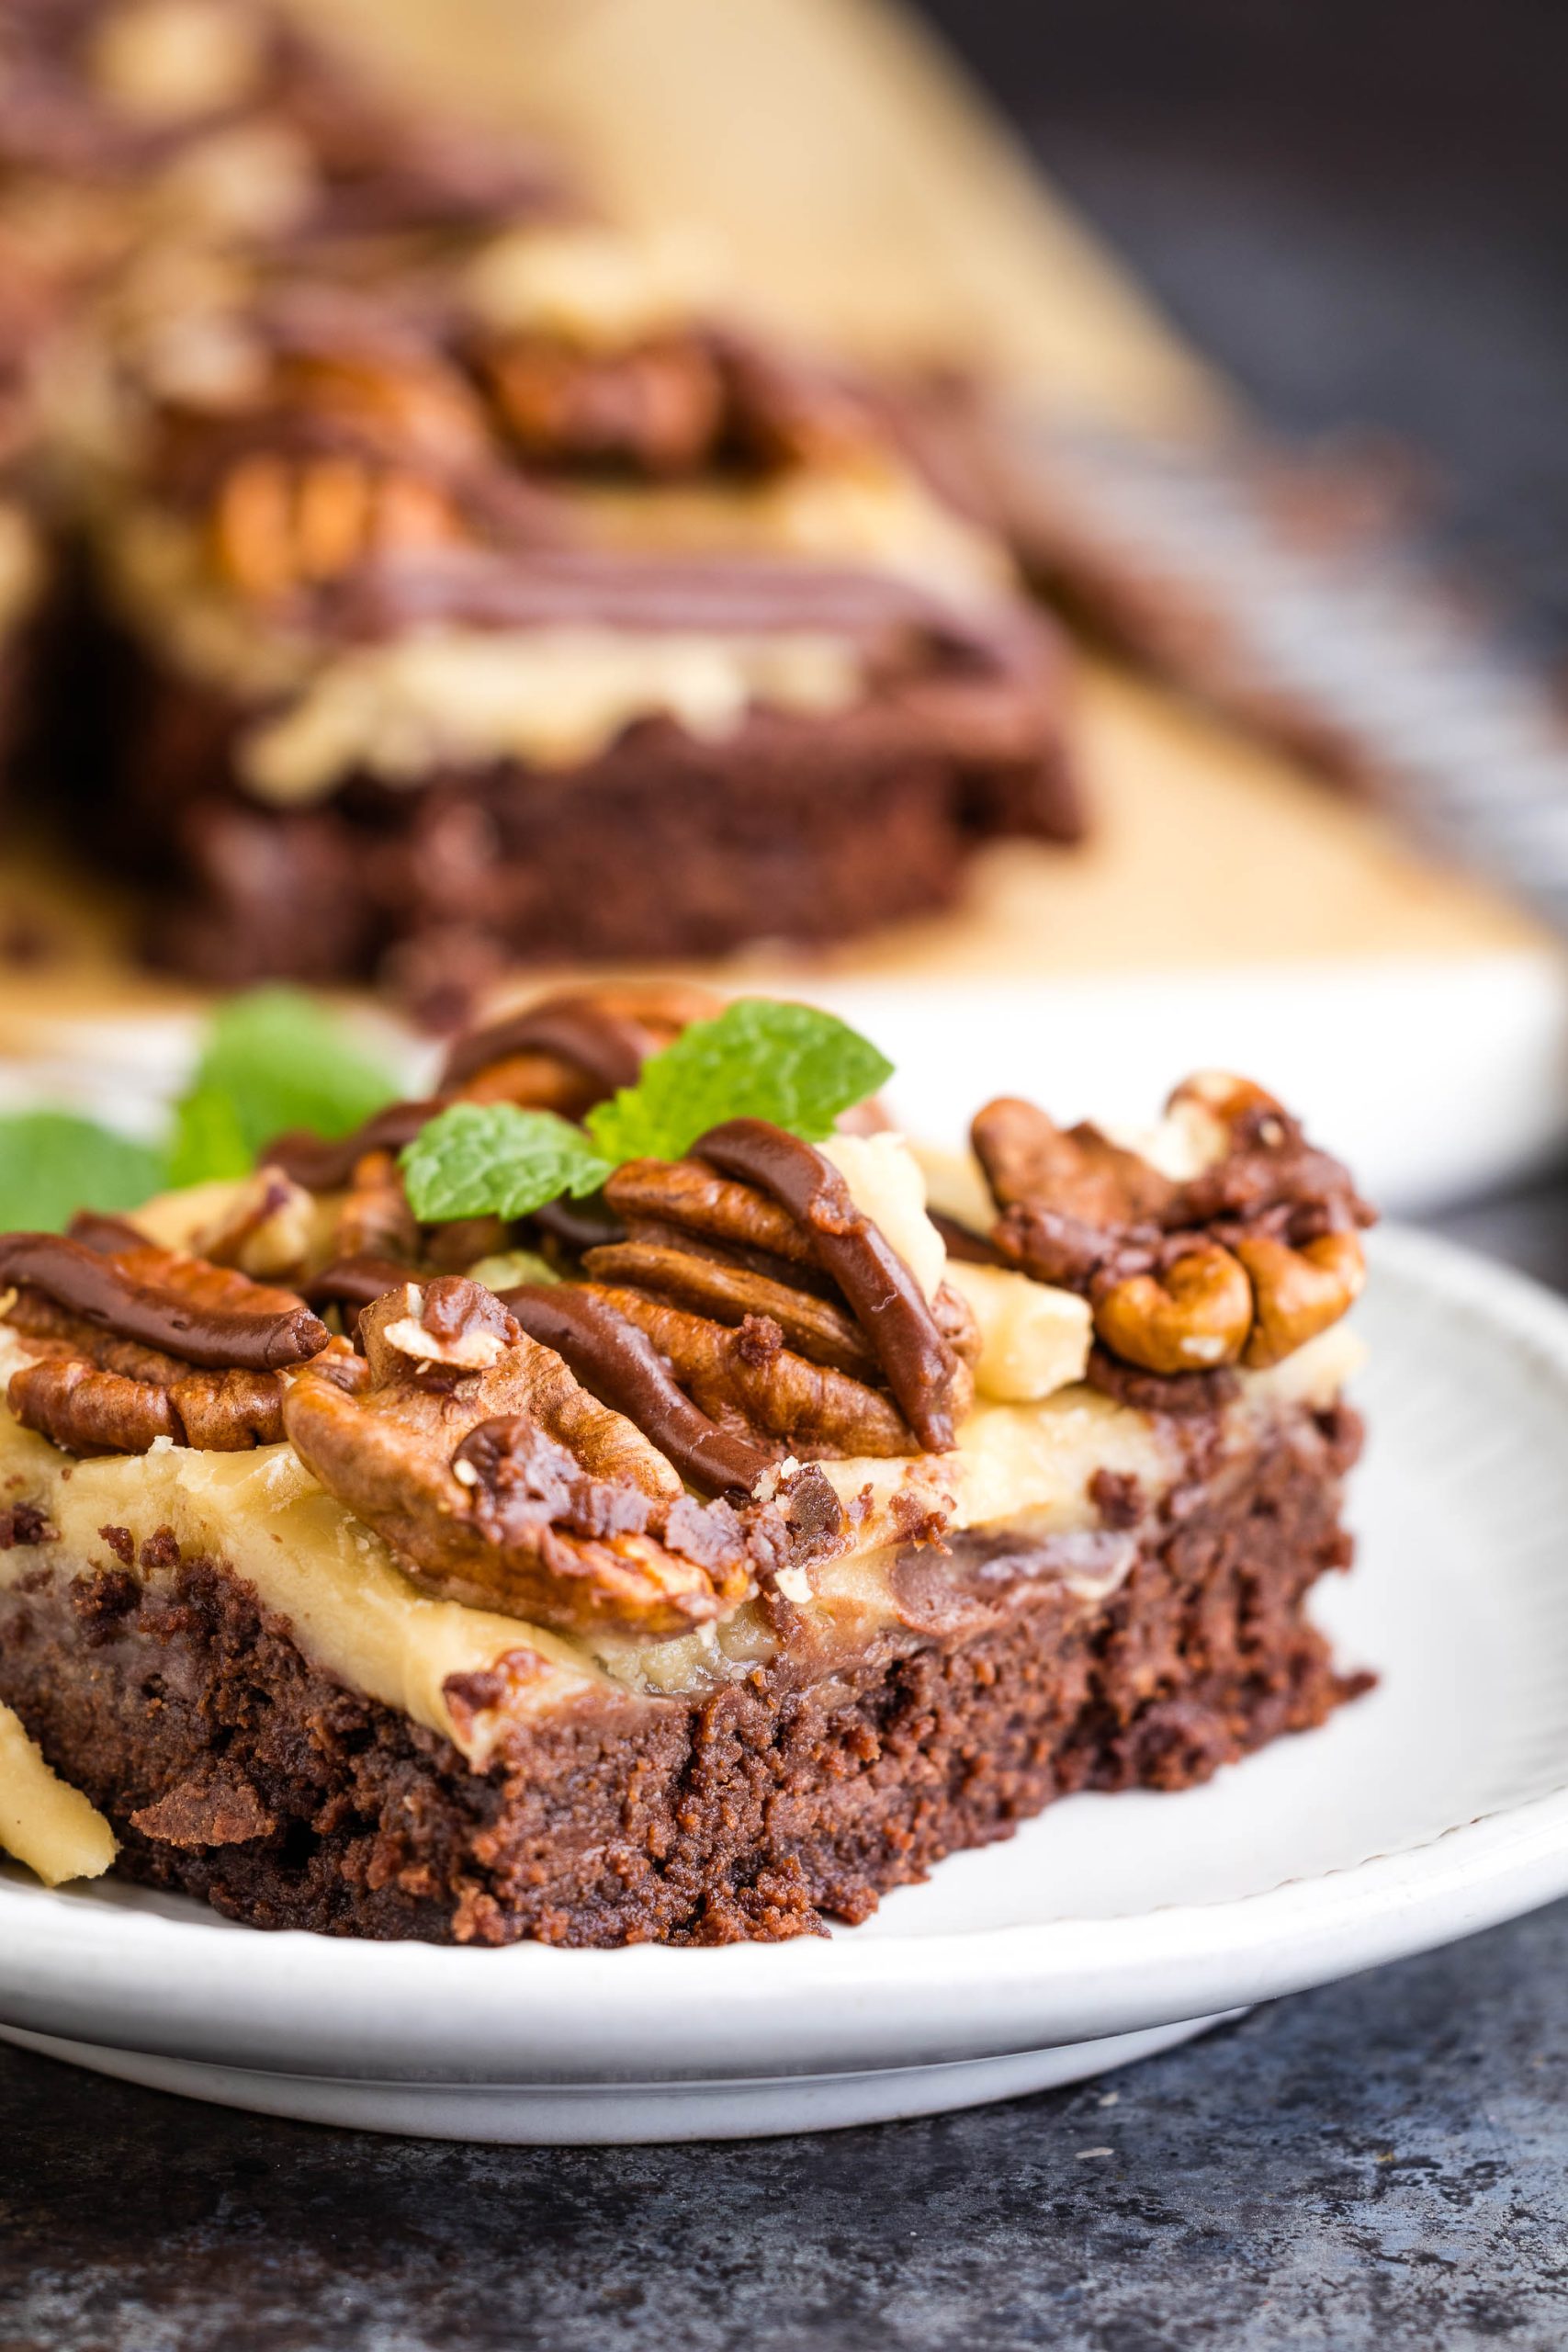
777 1303
729 1293
807 1407
140 1343
618 1363
918 1364
1299 1293
1192 1317
452 1321
1244 1260
204 1315
277 525
570 1050
267 1228
513 1488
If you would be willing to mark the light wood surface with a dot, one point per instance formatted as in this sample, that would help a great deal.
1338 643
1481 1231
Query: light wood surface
858 184
865 189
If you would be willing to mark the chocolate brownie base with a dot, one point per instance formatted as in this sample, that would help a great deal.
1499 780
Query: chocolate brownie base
666 845
233 1769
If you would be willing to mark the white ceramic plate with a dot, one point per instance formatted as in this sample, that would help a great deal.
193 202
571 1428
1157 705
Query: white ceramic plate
1110 1927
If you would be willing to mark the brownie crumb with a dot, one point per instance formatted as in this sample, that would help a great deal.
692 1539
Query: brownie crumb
161 1550
1117 1497
121 1542
24 1525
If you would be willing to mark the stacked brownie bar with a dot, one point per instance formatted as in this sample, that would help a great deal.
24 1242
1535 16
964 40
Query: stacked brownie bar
694 1557
467 582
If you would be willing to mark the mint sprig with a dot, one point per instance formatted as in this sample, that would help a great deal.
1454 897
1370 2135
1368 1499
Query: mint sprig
273 1060
497 1159
757 1059
52 1163
791 1064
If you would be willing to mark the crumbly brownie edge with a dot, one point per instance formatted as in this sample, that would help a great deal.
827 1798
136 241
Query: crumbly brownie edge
751 1812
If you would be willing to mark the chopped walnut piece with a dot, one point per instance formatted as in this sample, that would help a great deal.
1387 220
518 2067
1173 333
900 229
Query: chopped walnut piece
1191 1316
512 1488
451 1321
270 1228
1299 1293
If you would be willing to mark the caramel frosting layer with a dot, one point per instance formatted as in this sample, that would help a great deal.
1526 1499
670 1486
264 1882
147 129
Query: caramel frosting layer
1020 1471
45 1823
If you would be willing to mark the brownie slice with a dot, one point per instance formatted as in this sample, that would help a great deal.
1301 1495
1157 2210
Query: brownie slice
697 1561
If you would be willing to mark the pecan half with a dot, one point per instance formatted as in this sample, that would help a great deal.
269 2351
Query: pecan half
1242 1261
658 406
729 1293
375 1219
278 523
512 1488
810 1408
141 1343
694 1198
1191 1316
326 1165
618 1363
918 1364
1299 1293
205 1314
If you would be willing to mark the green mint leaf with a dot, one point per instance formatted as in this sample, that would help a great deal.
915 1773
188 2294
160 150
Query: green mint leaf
51 1164
208 1140
273 1060
495 1160
758 1059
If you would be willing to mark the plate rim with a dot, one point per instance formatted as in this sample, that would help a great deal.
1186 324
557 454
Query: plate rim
113 1975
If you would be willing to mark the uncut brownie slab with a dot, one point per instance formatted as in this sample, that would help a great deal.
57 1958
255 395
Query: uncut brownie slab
742 1542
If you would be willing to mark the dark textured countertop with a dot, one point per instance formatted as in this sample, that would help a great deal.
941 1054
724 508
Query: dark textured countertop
1382 2166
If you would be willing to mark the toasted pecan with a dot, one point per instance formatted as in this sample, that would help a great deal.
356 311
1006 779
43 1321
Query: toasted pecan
563 1512
145 1343
205 1314
917 1362
713 1285
812 1409
1243 1261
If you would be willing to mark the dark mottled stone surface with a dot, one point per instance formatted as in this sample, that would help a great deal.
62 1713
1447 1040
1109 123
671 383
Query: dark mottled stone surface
1381 2166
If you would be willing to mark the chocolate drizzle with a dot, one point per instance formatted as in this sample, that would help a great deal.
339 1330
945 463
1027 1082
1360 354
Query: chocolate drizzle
621 1366
607 1047
324 1166
354 1281
916 1359
725 596
272 1330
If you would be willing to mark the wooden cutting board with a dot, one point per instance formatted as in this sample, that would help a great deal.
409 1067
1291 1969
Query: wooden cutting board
865 194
